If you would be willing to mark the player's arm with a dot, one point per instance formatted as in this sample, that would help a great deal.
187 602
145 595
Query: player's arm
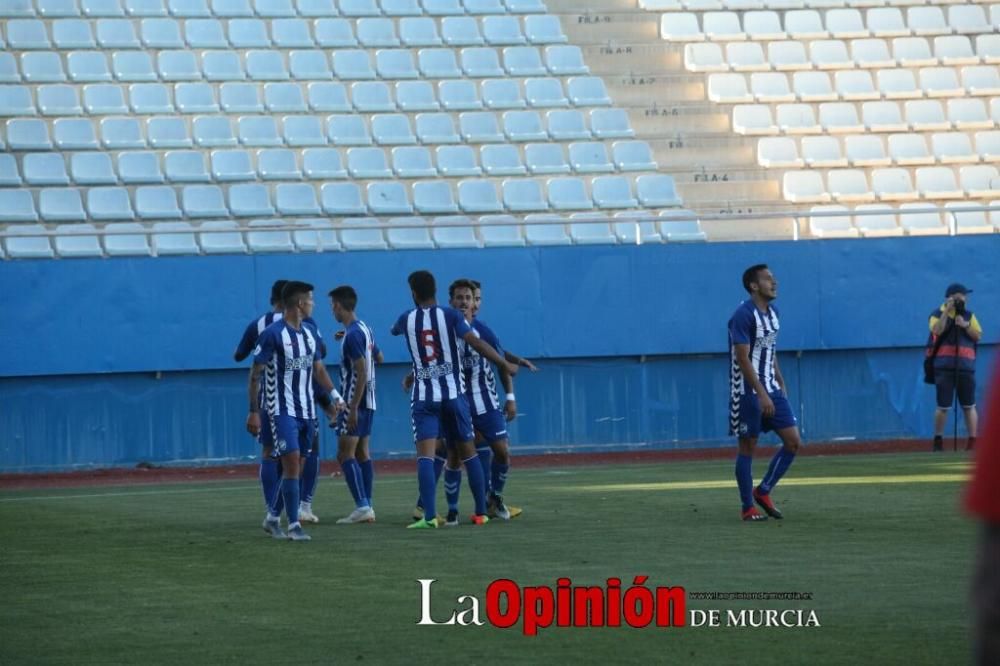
246 344
377 355
972 327
485 349
750 376
517 360
408 381
323 379
253 418
510 406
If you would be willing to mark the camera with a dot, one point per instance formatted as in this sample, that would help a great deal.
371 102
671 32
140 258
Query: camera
959 307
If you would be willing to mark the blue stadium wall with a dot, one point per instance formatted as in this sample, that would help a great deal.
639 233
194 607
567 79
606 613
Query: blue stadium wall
116 361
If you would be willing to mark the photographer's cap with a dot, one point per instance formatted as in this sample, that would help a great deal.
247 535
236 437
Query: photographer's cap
956 288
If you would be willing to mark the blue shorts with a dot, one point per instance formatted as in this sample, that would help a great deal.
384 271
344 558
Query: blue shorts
362 429
293 434
492 425
751 422
448 419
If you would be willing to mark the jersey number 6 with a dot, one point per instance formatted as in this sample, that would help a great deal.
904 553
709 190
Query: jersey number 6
430 342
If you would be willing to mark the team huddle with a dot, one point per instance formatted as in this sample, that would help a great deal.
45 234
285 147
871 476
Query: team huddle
453 399
457 417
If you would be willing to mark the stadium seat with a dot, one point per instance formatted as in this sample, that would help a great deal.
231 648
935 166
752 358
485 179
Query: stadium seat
872 53
140 167
478 196
280 164
168 239
525 61
109 203
657 191
87 67
564 125
342 199
28 134
502 94
779 152
968 113
185 166
728 89
358 8
479 127
592 157
376 32
201 201
546 158
831 226
395 64
500 231
434 197
438 63
348 130
787 56
847 185
414 235
457 161
855 85
42 67
333 33
587 90
307 65
321 237
367 163
419 31
240 98
966 221
389 198
953 148
16 101
893 184
454 231
506 31
761 25
522 195
755 119
222 66
743 57
568 194
22 244
361 233
988 146
830 54
681 27
250 200
197 98
436 128
9 175
909 149
548 92
258 131
635 227
502 160
823 152
524 126
416 96
705 57
977 181
150 98
61 204
543 30
799 119
459 95
920 223
883 117
221 237
74 134
804 187
955 50
877 220
940 82
480 62
352 64
392 129
613 192
77 240
300 131
461 31
296 199
866 150
168 132
372 96
205 33
26 34
938 183
413 162
680 230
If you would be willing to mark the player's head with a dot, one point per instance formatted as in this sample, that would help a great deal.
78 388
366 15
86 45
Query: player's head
423 286
298 296
477 296
276 291
759 280
460 296
343 299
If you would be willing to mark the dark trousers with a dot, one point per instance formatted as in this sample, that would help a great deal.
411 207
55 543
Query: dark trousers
986 598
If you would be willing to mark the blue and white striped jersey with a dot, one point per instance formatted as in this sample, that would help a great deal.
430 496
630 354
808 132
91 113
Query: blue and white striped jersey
358 342
480 382
257 326
432 336
750 326
288 355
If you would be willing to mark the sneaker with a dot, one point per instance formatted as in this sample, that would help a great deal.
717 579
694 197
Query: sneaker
500 509
515 511
298 534
938 444
452 519
765 503
362 515
306 515
479 519
273 527
752 515
423 524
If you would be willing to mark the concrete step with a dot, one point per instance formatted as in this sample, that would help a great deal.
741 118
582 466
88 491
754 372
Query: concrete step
613 58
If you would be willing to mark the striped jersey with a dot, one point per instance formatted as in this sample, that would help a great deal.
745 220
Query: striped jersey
750 326
287 355
480 382
432 336
257 326
358 342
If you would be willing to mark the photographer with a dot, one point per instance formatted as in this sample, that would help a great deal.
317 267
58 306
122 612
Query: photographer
956 333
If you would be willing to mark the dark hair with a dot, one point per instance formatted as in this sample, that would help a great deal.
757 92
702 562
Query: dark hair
461 283
423 285
750 275
293 291
346 296
476 284
276 291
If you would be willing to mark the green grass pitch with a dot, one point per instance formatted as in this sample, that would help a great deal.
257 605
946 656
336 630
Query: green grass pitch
183 574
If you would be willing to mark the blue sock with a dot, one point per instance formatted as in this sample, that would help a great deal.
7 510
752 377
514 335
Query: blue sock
477 483
352 475
269 482
744 479
452 487
310 475
278 504
485 454
428 485
290 493
368 478
499 474
780 463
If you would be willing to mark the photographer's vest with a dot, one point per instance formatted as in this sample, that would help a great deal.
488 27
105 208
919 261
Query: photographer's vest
958 350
